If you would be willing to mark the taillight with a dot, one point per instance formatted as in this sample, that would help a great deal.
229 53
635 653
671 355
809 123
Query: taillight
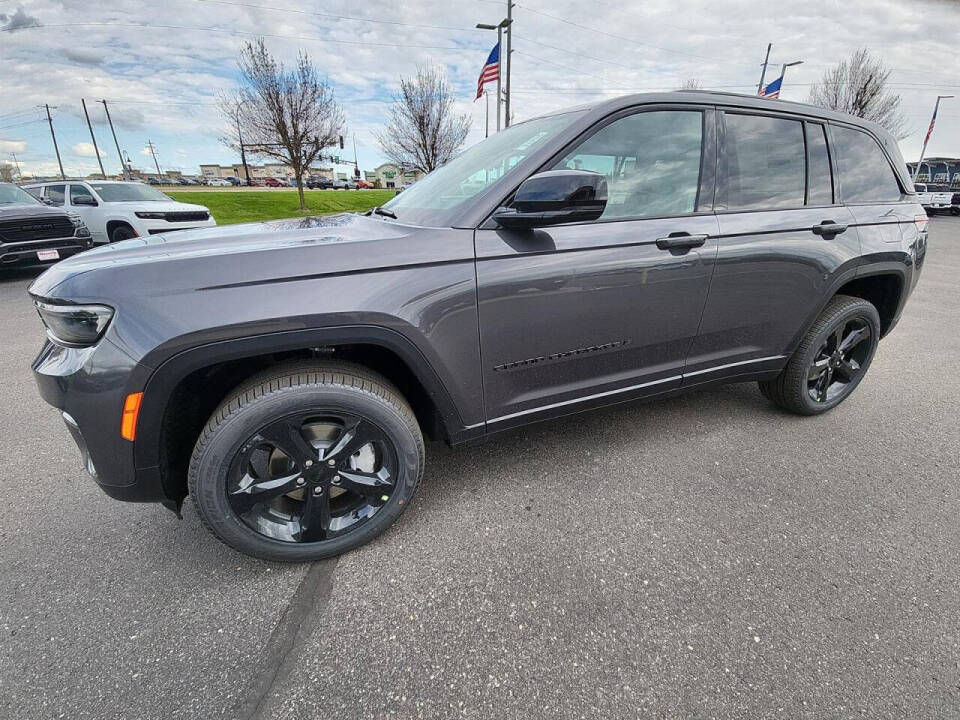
128 422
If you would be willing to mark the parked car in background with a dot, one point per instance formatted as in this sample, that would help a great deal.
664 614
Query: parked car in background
319 182
364 184
115 210
219 182
351 184
32 233
284 374
934 198
272 182
341 184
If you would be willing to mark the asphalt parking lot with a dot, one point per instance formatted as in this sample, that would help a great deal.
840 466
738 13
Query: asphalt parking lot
707 556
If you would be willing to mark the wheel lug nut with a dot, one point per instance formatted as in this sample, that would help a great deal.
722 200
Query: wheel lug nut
308 463
318 491
331 463
335 480
300 481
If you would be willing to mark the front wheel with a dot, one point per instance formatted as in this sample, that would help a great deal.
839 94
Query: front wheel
122 232
831 361
306 461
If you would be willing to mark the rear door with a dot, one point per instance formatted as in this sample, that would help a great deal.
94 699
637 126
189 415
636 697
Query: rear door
783 236
589 313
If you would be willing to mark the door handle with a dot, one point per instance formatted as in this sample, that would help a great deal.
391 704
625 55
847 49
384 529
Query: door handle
828 227
681 240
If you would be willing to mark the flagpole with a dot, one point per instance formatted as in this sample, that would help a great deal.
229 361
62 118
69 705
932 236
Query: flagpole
933 120
763 73
486 127
499 69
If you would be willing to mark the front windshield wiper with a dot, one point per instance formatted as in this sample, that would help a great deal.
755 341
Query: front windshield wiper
386 213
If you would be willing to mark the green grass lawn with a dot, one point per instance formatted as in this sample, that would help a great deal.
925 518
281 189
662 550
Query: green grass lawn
249 206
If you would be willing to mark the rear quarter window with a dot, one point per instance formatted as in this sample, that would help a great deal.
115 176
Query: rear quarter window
865 172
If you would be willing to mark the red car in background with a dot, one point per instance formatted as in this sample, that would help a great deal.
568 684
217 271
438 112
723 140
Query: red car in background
364 185
273 182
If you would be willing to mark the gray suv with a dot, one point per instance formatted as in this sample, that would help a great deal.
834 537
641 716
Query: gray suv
283 374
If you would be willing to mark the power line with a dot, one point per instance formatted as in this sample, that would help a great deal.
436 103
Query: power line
559 65
573 52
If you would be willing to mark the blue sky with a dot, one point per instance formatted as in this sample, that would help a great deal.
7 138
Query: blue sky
161 65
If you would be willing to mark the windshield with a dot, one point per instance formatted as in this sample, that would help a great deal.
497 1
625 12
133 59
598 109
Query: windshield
436 199
12 195
128 192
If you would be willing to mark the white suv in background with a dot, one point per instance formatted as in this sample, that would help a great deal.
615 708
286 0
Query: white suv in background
115 210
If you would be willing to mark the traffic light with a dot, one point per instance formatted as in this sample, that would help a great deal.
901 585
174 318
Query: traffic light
341 142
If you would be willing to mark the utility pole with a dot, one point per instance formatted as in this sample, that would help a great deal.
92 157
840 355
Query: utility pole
356 163
54 136
509 59
96 150
17 163
923 150
763 73
154 153
126 174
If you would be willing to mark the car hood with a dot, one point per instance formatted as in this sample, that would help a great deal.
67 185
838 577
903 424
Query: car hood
247 254
27 210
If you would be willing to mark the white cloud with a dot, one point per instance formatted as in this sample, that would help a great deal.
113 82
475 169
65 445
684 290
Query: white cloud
86 149
13 146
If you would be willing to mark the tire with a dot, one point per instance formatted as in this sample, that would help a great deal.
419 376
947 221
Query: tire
227 470
122 232
955 211
822 373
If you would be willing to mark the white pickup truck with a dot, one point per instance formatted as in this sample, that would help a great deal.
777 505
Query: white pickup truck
934 197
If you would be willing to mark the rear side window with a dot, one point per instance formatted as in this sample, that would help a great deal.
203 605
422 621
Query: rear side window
55 194
819 180
765 162
865 173
651 161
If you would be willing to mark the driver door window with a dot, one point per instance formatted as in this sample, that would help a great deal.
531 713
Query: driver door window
651 161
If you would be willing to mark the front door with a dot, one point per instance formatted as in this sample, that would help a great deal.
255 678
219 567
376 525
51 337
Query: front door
84 204
590 313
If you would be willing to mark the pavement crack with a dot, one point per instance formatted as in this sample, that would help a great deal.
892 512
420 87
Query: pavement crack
295 625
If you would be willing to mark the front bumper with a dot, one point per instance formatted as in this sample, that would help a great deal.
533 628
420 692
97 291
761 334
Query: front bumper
88 386
26 253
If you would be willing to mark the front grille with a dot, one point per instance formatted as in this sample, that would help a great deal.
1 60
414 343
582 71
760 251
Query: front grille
187 216
30 229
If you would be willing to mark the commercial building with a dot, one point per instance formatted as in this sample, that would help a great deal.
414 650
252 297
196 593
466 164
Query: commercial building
257 172
393 176
940 170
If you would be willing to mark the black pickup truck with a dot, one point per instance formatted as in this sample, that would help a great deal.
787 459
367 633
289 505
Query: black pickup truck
32 233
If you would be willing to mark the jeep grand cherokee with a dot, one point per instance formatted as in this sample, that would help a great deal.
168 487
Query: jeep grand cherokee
283 374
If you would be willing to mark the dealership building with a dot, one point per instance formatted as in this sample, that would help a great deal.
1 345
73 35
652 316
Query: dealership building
940 170
260 172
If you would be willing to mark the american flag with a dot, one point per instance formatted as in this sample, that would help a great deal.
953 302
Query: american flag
490 72
933 122
772 90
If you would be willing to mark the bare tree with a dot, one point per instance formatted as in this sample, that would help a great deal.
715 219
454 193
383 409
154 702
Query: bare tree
691 84
287 115
423 132
858 86
6 172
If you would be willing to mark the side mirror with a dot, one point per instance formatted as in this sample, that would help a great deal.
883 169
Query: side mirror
83 200
553 197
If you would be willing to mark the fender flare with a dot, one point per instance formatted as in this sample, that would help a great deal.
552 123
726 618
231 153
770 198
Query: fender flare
158 384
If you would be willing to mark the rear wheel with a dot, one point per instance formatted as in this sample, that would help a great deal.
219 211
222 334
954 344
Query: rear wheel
306 461
831 360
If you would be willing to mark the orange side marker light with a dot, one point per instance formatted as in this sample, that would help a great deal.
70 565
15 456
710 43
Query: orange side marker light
128 423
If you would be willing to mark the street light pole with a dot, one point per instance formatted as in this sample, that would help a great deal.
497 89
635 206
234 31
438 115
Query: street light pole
509 59
783 70
54 136
763 73
933 119
499 28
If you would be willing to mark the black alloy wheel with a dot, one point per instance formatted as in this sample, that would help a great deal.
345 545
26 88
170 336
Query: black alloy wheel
312 476
840 360
305 461
122 232
831 360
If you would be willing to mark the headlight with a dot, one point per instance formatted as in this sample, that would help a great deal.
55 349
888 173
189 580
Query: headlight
74 325
144 215
80 228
